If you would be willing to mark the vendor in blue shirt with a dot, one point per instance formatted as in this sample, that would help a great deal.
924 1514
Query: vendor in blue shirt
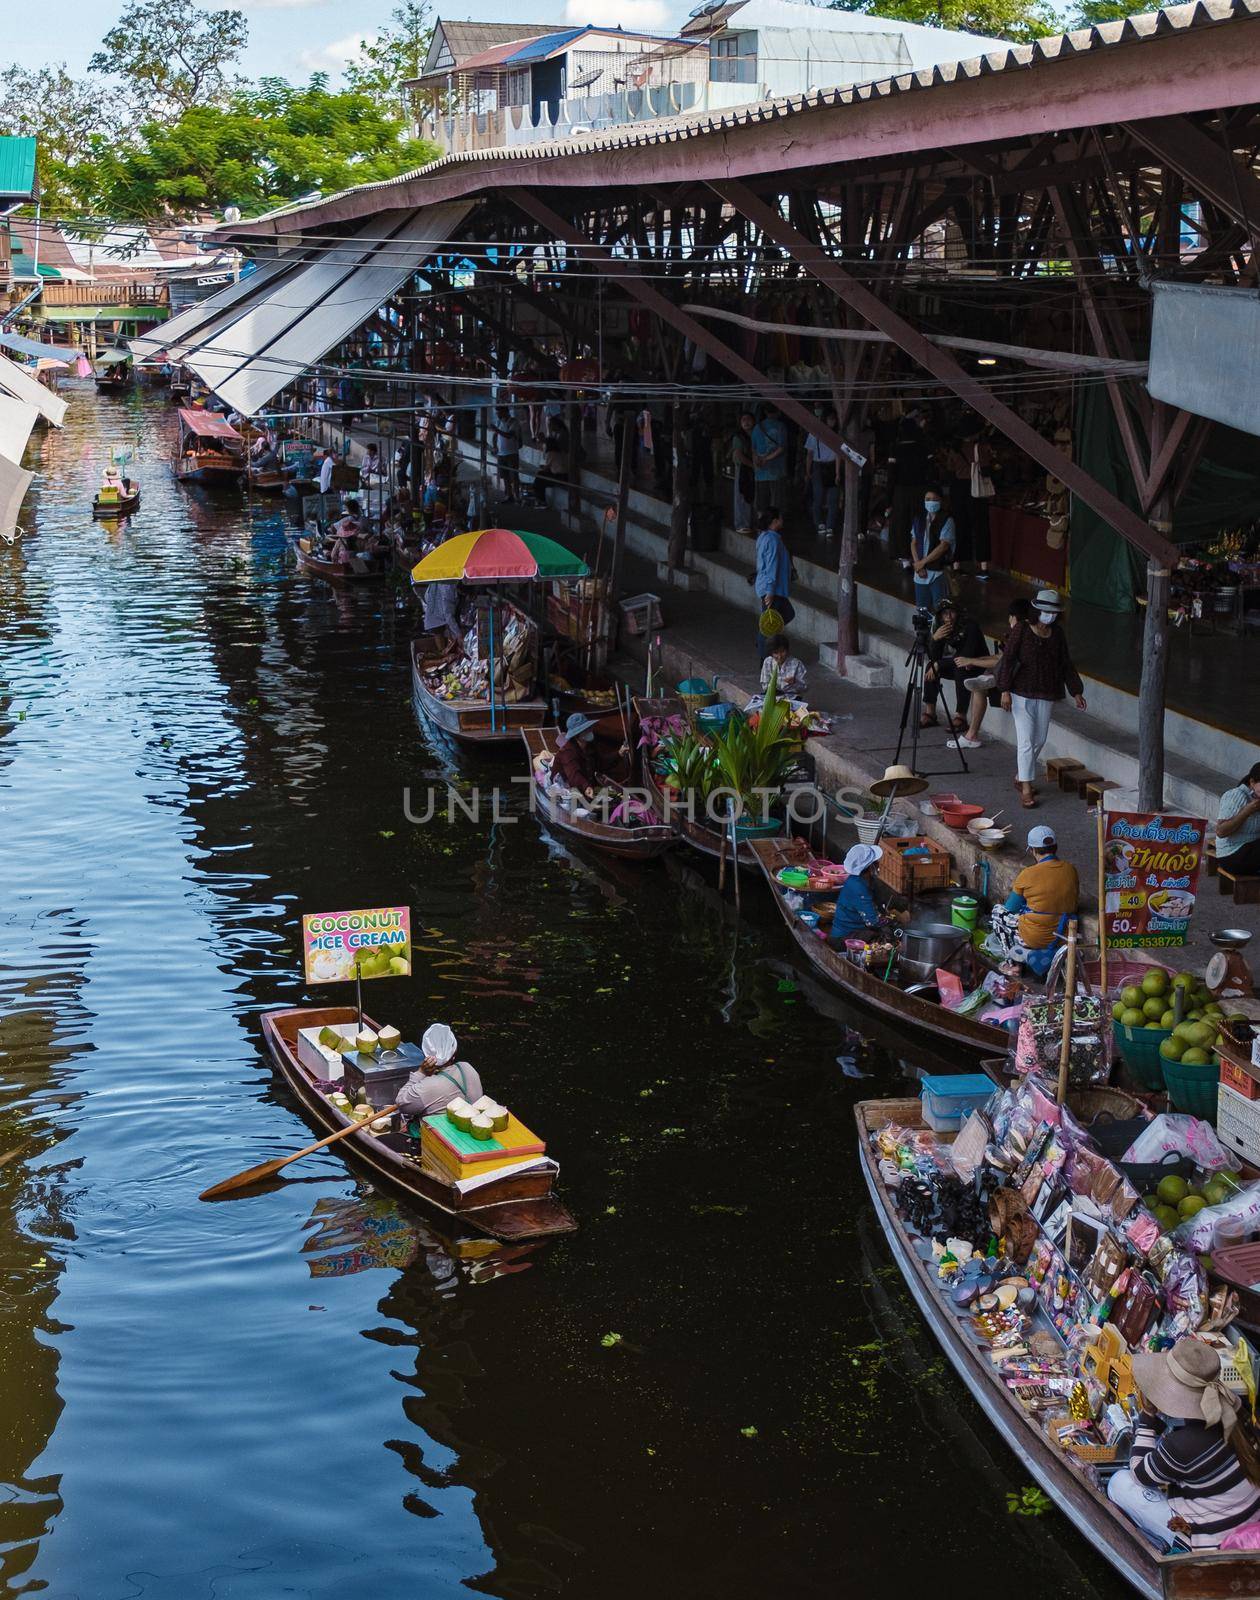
856 909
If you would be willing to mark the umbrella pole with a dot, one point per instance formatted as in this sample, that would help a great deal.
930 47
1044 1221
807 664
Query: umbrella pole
490 623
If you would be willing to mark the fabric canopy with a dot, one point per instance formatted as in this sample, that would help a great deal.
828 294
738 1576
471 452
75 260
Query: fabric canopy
498 555
276 337
113 358
14 483
18 382
209 424
17 418
32 347
174 336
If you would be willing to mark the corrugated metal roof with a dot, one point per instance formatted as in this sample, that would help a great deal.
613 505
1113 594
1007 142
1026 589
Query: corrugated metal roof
17 166
671 130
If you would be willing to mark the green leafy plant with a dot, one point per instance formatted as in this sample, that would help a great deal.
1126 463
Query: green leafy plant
688 762
748 759
1029 1502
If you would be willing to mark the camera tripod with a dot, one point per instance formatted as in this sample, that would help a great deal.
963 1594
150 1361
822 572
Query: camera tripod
912 710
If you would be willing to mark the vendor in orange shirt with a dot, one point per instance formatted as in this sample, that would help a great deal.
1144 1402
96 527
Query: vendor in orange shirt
1024 929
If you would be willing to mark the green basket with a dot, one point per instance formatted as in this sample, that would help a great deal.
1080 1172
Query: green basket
1193 1088
758 830
1139 1049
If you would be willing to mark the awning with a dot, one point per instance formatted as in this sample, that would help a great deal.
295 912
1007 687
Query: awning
179 330
32 347
279 335
207 424
17 418
14 483
113 358
18 382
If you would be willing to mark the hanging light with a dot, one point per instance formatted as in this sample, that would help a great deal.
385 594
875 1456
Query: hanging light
986 361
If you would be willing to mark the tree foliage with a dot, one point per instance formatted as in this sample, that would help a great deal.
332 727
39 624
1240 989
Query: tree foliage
396 53
1016 20
1090 12
264 145
64 115
172 55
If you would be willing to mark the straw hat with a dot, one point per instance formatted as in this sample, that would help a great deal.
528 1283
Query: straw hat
1185 1382
1048 600
899 780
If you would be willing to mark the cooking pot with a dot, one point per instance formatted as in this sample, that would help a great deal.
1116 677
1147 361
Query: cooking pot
932 945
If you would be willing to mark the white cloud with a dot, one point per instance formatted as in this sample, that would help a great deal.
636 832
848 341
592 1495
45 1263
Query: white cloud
266 5
334 57
640 16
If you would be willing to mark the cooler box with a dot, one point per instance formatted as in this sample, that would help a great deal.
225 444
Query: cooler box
381 1076
325 1063
949 1099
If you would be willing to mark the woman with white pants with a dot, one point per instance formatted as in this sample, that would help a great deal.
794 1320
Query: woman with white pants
1034 671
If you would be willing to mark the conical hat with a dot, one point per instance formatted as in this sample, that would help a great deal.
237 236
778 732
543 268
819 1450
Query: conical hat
899 780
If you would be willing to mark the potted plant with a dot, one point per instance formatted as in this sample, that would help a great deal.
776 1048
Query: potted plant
750 760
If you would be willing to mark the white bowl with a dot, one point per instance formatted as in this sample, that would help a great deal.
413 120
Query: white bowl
991 838
980 825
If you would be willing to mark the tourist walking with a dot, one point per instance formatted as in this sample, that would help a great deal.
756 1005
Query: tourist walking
1035 671
773 577
507 452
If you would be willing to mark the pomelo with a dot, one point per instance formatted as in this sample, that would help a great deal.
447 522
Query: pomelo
1153 1008
1133 1018
1194 1057
1192 1205
1172 1190
1216 1191
1168 1019
1167 1217
1173 1049
1118 1010
1155 982
1132 996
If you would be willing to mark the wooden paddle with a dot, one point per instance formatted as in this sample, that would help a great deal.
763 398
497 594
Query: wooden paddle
244 1180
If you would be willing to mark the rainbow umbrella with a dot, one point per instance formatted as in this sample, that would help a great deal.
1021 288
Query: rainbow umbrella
497 555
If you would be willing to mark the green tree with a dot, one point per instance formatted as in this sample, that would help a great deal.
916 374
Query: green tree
1016 20
172 55
396 53
267 144
1090 12
64 114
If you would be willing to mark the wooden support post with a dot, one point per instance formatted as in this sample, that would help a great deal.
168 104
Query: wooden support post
1069 1013
1151 689
623 495
680 493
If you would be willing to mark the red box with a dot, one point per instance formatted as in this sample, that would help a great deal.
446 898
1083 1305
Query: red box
1240 1081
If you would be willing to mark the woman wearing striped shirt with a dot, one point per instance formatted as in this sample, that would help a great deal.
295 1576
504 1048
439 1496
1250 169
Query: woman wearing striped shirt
1192 1479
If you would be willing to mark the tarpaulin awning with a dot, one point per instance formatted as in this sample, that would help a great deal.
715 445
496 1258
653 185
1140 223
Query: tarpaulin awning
17 418
32 347
277 336
18 382
14 483
207 424
113 358
172 336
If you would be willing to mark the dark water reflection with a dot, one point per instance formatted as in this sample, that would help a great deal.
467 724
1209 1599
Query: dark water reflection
313 1392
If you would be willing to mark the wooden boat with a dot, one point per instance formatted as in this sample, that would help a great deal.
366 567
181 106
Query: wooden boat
209 449
513 1207
469 721
181 384
359 570
1201 1575
983 1039
629 844
116 503
701 836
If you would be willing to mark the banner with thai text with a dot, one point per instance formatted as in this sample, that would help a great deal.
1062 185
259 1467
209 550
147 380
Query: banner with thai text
1151 874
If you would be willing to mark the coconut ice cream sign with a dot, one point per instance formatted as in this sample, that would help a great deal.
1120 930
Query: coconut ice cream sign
339 946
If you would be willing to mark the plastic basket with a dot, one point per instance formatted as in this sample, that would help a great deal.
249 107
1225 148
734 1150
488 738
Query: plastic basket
1193 1088
758 830
948 1099
907 875
1139 1048
716 716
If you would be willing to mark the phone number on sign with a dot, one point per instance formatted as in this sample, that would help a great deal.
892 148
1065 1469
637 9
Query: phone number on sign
1140 941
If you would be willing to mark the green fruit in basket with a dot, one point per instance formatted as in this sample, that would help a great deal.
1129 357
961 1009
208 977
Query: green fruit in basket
1155 982
1155 1026
1185 980
1203 1034
1153 1009
1168 1217
1173 1049
1133 1018
1213 1010
1191 1205
1150 1201
1184 1031
1194 1016
1172 1190
1118 1010
1195 1057
1168 1019
1216 1191
1132 996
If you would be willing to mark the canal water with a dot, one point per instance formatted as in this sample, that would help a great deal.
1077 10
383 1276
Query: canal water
717 1388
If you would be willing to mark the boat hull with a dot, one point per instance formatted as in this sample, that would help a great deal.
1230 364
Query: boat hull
331 572
469 720
106 509
981 1039
1202 1576
521 1207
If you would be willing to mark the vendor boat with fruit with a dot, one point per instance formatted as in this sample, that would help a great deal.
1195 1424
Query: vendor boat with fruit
475 1162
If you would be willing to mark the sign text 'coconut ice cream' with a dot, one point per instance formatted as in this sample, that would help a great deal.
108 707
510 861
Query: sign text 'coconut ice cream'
377 943
1151 873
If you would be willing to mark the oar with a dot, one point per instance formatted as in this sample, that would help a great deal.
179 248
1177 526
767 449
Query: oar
244 1180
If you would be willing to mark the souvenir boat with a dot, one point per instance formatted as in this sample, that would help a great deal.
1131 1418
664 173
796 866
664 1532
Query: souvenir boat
209 449
629 843
469 721
516 1206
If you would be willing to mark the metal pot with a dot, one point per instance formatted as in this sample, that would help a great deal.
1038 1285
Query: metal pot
925 948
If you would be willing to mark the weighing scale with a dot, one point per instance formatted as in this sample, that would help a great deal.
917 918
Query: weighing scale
1228 975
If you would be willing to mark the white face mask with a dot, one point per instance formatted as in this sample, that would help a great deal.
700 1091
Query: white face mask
1047 617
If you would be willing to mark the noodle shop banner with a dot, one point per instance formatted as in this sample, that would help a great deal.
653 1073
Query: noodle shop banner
377 943
1151 874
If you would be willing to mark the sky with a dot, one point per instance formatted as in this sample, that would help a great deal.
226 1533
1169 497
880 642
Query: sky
293 38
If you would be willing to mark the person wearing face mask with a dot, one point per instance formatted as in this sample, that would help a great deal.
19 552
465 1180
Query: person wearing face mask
932 541
1036 670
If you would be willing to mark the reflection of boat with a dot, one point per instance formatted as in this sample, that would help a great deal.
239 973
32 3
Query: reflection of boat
356 570
116 501
910 1010
1198 1575
470 721
630 844
209 449
515 1206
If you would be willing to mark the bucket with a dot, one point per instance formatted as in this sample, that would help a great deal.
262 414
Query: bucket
869 828
964 912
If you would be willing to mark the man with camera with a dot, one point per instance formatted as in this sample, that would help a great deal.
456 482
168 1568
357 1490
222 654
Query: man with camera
953 642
